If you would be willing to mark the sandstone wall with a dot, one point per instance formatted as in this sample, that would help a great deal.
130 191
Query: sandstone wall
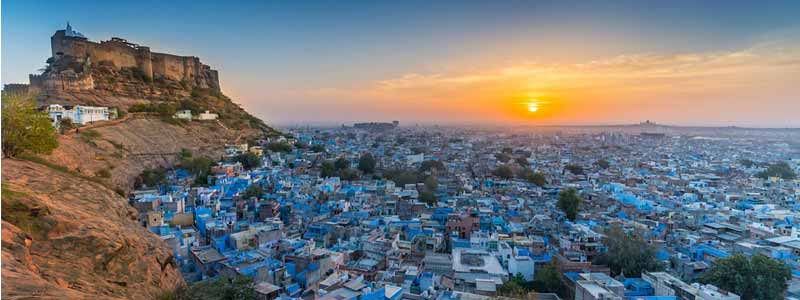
126 55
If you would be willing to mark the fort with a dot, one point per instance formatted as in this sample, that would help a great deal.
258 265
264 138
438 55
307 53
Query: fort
73 55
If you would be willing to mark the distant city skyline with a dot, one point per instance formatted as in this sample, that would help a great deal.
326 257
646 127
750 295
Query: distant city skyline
713 63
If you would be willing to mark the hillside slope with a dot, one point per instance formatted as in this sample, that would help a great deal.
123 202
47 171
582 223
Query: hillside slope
65 237
67 232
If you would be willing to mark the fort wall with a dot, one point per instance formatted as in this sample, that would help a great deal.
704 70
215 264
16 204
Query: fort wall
123 54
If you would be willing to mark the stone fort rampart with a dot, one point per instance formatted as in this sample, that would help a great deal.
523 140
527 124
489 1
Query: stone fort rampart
123 54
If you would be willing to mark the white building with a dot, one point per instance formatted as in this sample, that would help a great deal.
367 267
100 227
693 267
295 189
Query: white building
79 114
183 114
207 116
665 284
521 265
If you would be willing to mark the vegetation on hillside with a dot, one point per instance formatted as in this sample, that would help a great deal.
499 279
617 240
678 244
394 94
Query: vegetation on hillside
25 129
220 288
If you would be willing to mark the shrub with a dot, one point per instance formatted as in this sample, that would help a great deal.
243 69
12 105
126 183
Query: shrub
25 129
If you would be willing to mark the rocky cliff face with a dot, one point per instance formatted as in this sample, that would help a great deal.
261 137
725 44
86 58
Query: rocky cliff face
65 237
67 232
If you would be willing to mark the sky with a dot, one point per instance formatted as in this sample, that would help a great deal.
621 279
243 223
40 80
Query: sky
708 63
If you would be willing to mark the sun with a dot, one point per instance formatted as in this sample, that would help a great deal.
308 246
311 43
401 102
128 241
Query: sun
533 106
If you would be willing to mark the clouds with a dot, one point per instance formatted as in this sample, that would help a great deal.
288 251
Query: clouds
750 86
620 88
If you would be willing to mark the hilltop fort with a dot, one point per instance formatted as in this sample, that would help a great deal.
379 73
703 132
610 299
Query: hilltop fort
74 56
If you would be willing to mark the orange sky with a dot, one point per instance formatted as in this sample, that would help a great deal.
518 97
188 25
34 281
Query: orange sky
711 88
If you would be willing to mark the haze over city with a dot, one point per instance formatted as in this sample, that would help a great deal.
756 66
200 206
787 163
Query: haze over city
715 63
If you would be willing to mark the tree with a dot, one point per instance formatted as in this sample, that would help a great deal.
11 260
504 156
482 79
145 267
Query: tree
25 129
341 163
221 288
367 163
348 174
536 178
428 197
548 279
574 169
747 163
279 147
249 160
515 286
327 169
759 277
569 202
66 125
628 253
779 169
504 172
603 164
151 177
317 148
254 190
430 165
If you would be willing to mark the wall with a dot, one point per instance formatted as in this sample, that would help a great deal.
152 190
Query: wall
127 55
61 82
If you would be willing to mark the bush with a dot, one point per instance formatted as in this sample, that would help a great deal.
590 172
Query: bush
779 169
249 160
279 147
504 172
367 163
25 129
104 173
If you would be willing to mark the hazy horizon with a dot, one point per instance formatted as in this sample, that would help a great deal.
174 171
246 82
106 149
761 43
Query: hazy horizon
543 63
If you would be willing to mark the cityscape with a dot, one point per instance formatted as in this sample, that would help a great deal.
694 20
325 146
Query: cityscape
132 170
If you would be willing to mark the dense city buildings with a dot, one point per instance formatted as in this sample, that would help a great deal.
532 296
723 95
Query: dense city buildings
447 212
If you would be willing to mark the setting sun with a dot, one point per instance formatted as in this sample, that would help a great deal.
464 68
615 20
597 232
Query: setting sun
533 106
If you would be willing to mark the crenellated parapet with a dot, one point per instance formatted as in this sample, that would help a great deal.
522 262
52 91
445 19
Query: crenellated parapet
119 53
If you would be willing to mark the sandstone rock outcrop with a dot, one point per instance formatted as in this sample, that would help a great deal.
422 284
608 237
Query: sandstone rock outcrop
65 237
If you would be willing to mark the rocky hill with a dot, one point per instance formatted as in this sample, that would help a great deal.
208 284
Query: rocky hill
65 237
68 233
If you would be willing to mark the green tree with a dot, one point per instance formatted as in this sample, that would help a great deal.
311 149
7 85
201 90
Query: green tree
151 177
348 174
66 125
569 202
628 253
779 169
253 191
759 277
317 148
574 169
25 129
428 197
221 288
548 279
185 153
327 169
367 163
746 162
504 172
341 163
249 160
430 165
516 286
279 147
536 178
